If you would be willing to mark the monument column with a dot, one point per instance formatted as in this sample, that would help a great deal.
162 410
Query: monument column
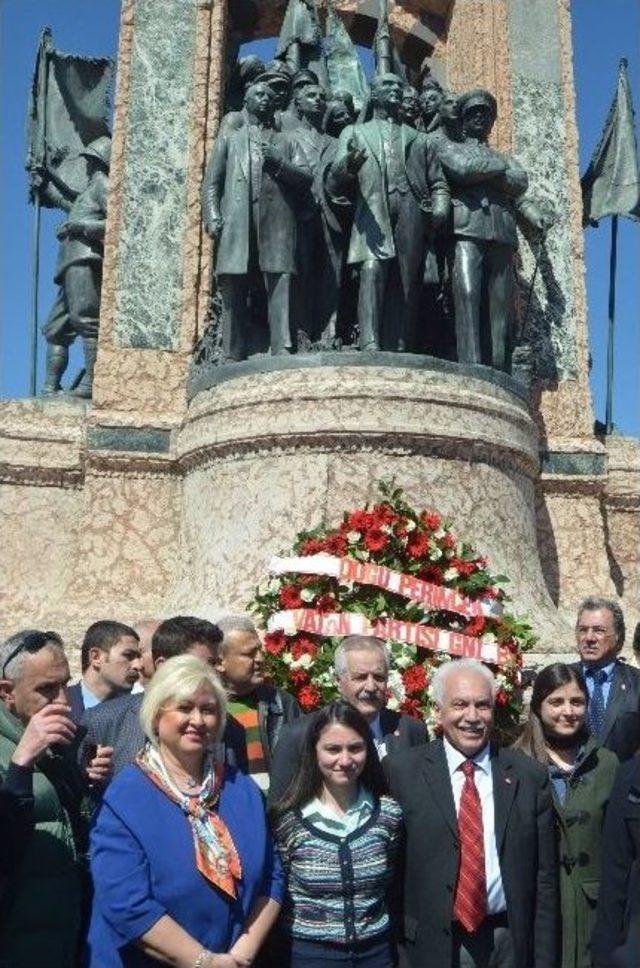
154 299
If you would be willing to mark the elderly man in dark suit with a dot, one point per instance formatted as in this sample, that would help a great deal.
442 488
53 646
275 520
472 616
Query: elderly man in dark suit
614 686
487 189
480 866
361 664
391 175
249 207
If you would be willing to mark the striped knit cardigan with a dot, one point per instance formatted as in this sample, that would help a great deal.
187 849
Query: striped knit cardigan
338 886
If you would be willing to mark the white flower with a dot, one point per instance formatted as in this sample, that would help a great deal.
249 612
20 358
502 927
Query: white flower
287 658
410 525
304 662
450 574
489 637
307 595
439 534
274 585
393 703
396 685
353 537
435 554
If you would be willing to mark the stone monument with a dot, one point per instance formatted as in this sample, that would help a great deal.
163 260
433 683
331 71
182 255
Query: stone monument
171 490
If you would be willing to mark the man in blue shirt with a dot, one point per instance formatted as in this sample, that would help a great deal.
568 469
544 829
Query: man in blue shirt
111 663
614 686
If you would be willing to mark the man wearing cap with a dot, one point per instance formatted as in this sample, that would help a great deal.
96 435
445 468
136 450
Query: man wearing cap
249 206
487 190
79 275
392 177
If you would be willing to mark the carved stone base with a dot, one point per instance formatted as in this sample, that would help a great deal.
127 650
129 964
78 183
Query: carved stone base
268 454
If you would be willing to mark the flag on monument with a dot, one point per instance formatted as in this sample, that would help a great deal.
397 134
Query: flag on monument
611 183
343 64
69 107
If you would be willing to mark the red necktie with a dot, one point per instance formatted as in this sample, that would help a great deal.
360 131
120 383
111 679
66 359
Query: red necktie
470 905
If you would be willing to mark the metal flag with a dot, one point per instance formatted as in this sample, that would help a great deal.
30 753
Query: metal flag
611 183
69 106
343 63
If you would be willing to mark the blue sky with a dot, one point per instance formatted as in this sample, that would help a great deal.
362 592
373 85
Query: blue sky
602 33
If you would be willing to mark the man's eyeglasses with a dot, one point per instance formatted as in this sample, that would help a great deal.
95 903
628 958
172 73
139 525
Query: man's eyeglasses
31 643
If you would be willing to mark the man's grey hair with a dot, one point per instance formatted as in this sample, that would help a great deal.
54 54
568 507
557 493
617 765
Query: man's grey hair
593 602
14 668
444 672
234 622
359 643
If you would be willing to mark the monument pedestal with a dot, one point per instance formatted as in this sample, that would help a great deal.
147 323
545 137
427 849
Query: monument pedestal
268 454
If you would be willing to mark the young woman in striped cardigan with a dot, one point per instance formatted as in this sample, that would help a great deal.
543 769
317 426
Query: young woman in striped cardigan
337 833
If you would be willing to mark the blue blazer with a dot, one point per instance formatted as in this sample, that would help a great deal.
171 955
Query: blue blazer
143 866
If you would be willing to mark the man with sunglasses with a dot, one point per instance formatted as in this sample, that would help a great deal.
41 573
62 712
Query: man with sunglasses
42 819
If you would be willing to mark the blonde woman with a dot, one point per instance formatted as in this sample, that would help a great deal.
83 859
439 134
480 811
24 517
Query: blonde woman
184 868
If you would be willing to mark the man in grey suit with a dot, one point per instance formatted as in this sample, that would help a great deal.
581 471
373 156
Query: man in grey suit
249 207
487 190
391 175
361 664
613 685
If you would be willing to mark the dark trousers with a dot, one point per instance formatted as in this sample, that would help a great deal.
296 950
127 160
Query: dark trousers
488 947
296 953
236 320
478 264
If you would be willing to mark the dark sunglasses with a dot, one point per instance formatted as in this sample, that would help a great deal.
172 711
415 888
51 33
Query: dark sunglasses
31 643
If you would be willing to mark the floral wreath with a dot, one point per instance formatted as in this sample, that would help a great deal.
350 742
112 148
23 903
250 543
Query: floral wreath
400 574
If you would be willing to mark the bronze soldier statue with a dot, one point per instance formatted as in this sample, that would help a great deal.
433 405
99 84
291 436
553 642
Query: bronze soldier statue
488 189
76 310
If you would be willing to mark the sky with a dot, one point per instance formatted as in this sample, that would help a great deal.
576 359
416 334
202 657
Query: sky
603 32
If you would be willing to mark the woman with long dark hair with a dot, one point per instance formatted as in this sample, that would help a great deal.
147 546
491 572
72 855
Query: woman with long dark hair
337 833
582 774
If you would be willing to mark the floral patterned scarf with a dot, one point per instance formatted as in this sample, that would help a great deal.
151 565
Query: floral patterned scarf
216 855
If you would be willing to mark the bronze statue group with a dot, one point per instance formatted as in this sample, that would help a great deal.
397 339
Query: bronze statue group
174 808
391 228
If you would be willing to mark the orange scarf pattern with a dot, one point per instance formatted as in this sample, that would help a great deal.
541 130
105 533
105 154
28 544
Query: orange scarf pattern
216 855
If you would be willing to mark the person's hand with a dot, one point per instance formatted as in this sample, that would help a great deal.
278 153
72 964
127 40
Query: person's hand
51 724
272 156
213 225
356 157
100 766
228 961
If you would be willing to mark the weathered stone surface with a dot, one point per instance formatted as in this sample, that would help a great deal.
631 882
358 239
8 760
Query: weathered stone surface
457 443
149 283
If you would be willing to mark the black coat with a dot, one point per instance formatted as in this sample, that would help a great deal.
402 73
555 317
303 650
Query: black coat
622 714
615 942
400 732
525 836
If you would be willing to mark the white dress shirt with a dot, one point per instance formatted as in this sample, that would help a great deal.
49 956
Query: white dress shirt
483 778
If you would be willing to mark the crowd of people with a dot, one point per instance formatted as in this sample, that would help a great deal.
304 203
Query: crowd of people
174 808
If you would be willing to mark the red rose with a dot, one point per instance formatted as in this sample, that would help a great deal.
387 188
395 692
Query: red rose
376 540
411 707
327 603
476 626
311 546
431 519
415 678
464 567
303 646
275 642
501 698
382 514
359 520
449 540
418 544
309 697
300 677
290 597
433 574
336 544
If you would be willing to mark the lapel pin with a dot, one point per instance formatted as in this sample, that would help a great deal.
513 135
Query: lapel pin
507 779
